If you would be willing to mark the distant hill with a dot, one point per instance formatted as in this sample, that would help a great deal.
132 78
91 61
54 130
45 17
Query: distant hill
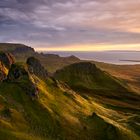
15 48
90 81
85 75
50 61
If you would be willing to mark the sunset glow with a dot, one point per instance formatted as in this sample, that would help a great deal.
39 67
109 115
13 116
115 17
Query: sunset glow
64 25
132 47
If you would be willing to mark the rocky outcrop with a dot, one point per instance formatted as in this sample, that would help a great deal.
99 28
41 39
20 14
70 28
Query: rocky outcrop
19 74
2 72
7 59
35 67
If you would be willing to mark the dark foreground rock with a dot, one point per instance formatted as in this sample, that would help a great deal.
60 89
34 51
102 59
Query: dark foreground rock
2 72
35 67
7 59
19 74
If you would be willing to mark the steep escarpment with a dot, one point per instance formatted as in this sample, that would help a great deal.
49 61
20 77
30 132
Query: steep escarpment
3 71
35 66
15 48
20 75
6 60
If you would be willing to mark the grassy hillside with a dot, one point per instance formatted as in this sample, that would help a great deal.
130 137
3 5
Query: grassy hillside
129 74
23 118
86 75
88 80
57 112
83 103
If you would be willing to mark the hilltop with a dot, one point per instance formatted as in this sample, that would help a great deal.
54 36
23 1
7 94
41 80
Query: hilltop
85 75
15 48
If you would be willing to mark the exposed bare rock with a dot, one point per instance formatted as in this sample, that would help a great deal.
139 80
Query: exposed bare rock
7 59
19 74
35 67
2 72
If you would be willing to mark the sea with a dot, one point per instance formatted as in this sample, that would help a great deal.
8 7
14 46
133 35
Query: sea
113 57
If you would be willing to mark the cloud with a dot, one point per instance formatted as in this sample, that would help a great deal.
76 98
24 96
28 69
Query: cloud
63 22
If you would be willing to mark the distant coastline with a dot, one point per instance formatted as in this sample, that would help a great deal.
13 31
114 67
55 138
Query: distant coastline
131 60
113 57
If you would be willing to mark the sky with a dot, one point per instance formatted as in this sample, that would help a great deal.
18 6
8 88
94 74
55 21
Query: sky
74 25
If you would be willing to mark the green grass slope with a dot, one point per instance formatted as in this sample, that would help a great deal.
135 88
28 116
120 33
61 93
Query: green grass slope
57 113
23 118
85 75
89 81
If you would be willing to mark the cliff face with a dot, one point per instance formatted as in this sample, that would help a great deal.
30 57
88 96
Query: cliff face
23 49
19 74
36 67
6 60
15 48
2 72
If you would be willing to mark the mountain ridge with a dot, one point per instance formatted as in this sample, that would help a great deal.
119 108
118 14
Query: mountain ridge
81 70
